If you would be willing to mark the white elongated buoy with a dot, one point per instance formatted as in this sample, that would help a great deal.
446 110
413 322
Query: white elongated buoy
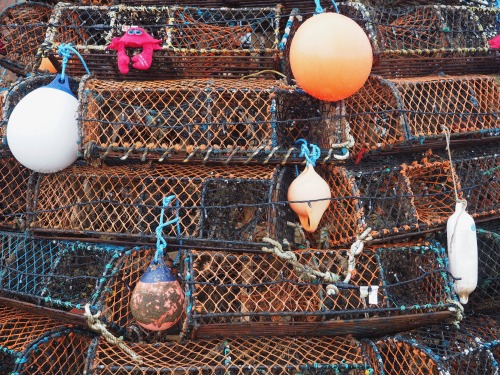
462 251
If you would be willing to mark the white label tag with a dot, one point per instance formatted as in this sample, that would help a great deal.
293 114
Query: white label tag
373 296
363 291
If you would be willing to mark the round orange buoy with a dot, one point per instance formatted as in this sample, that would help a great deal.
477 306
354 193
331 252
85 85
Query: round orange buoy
330 56
157 301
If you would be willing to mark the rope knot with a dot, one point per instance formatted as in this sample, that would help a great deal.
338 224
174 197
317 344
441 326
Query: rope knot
310 156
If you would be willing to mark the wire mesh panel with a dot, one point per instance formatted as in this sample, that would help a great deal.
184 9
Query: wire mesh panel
413 41
275 355
214 203
34 344
260 294
438 349
389 112
22 31
216 119
486 295
195 42
14 193
394 196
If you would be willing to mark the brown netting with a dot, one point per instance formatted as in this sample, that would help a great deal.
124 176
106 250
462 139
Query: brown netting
34 344
406 111
395 195
439 349
273 355
413 41
261 294
14 181
216 203
216 119
22 31
196 42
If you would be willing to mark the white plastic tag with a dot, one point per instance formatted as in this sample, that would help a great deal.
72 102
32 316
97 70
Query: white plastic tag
363 291
373 296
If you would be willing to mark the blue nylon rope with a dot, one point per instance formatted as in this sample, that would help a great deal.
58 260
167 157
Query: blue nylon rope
319 9
66 51
161 244
310 156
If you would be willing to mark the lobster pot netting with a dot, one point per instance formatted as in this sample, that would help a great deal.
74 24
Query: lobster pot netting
22 31
62 274
414 41
260 294
387 113
273 355
392 197
14 193
216 119
68 275
34 344
438 349
196 42
486 295
212 203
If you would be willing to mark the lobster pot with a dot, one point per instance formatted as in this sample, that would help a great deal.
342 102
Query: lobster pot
14 182
34 344
276 355
196 42
210 203
390 113
389 198
62 274
216 119
438 349
486 295
22 27
479 178
260 294
410 41
67 275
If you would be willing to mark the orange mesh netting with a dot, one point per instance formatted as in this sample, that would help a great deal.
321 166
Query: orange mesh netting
210 119
411 41
33 344
392 197
389 112
14 180
260 294
196 42
214 202
22 31
341 355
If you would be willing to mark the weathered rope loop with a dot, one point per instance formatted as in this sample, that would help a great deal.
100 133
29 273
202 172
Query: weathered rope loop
356 249
306 271
458 310
96 325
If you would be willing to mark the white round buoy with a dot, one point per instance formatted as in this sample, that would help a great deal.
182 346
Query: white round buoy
42 131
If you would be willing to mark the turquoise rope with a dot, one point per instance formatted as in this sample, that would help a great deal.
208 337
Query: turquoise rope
66 51
319 9
310 156
161 244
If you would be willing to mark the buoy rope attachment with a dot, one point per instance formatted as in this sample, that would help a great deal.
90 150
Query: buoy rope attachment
319 8
66 51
